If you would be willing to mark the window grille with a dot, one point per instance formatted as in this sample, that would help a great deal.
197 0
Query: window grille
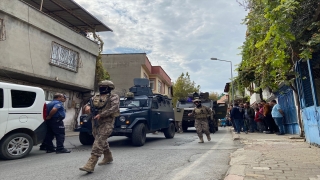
2 30
64 57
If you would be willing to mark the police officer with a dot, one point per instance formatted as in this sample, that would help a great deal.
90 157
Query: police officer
55 126
201 114
106 106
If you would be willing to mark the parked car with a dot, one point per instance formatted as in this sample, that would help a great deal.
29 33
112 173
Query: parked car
141 112
22 119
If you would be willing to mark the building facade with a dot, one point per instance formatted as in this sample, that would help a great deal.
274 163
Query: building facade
123 68
41 46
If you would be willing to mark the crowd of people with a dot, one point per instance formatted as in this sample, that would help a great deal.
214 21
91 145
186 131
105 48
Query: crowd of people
262 117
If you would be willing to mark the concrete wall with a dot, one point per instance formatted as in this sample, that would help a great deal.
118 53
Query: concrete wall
74 98
123 68
28 44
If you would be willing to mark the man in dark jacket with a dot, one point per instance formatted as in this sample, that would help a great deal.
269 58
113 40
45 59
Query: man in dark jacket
237 117
249 123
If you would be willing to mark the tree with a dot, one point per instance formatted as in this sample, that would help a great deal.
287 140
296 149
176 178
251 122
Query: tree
214 96
279 33
183 86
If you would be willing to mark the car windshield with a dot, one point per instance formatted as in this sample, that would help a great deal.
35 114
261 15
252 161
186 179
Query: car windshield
133 103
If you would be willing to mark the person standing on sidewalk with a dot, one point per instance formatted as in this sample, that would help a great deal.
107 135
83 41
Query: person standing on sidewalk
249 118
237 117
55 126
277 115
201 124
258 119
268 118
106 107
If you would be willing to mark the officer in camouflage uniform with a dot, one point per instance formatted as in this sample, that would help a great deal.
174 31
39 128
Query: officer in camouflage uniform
107 105
201 114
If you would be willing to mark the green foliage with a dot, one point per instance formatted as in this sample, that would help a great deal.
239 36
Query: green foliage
214 96
273 44
101 73
183 86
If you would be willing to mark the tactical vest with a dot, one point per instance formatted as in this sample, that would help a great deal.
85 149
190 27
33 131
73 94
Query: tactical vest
103 103
201 113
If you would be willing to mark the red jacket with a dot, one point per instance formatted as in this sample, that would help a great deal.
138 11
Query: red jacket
257 117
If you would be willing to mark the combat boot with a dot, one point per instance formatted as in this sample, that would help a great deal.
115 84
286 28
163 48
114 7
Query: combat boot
201 140
89 167
208 137
107 158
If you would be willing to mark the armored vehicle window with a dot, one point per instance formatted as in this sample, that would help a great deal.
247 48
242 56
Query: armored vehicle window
1 98
134 103
22 99
154 105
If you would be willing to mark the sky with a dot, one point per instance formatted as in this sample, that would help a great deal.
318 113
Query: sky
179 35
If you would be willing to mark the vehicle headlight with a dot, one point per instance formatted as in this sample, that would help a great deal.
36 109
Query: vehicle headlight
122 118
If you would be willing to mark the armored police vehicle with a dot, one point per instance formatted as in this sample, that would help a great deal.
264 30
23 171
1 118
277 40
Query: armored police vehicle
141 112
186 106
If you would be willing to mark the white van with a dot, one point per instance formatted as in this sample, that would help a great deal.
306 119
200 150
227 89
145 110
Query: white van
22 119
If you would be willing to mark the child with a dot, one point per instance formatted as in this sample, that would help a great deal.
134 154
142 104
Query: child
258 119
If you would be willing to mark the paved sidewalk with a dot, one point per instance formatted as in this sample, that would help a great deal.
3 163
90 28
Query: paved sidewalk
269 156
71 133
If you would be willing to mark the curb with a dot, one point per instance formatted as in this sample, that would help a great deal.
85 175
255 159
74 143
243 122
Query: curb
235 172
234 135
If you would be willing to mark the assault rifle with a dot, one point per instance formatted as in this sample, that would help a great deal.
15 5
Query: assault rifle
94 111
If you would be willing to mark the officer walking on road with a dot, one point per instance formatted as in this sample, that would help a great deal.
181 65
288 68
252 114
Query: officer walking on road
106 107
201 114
55 126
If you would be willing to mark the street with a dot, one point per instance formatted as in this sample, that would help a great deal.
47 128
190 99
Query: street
159 159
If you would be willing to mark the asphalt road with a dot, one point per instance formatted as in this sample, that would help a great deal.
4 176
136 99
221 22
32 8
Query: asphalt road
159 159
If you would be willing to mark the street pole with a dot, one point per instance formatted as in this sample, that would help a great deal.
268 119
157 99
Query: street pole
232 86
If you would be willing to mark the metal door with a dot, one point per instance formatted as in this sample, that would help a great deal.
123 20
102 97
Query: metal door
287 103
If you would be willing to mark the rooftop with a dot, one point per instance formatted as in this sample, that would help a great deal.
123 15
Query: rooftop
69 13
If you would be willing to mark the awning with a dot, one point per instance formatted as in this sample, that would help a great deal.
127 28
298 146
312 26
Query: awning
69 13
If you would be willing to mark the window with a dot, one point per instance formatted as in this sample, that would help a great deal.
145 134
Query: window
2 30
22 99
64 57
151 84
1 98
155 105
145 76
159 87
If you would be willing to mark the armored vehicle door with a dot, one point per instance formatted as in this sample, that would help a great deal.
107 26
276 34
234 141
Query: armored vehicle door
221 111
155 115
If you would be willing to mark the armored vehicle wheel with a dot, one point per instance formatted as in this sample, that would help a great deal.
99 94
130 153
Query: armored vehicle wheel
139 135
85 138
15 146
170 131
